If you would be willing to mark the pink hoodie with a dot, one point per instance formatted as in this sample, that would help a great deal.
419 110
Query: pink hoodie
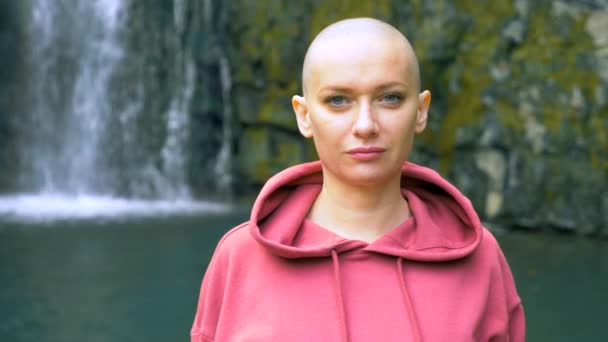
439 276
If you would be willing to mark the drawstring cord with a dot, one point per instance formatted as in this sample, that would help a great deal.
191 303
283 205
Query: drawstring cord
404 294
408 303
339 299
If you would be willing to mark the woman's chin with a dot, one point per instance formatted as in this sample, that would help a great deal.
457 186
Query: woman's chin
369 175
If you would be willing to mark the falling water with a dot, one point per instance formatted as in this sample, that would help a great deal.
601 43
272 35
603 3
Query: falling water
73 50
173 153
223 165
85 148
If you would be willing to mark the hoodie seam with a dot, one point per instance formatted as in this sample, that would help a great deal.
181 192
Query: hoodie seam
232 231
397 242
203 335
425 248
441 246
515 305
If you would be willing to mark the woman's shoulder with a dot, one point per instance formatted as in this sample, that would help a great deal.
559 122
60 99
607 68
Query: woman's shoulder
235 236
488 239
237 240
491 254
489 250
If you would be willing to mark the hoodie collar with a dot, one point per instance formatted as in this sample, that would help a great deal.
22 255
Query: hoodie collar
443 225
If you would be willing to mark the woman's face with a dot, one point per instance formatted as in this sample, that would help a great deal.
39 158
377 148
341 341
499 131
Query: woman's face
362 109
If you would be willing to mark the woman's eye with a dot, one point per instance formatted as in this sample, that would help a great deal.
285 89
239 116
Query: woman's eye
391 98
336 101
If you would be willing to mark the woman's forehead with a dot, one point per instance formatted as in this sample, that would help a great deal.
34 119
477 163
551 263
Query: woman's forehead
357 64
353 49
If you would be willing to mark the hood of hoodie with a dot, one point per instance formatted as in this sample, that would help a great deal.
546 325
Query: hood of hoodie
443 225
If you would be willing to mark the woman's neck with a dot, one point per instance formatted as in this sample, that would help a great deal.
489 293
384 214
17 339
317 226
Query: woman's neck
359 212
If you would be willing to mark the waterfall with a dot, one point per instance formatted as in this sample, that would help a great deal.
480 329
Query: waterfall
90 135
73 51
173 153
224 160
223 169
90 132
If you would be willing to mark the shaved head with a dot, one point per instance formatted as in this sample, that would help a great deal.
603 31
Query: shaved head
359 33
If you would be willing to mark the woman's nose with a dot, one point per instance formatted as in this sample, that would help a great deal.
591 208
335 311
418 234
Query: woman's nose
365 124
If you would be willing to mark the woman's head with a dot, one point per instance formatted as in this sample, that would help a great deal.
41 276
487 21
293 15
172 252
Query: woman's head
362 105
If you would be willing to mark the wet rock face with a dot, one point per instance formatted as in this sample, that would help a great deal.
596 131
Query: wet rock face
519 119
10 33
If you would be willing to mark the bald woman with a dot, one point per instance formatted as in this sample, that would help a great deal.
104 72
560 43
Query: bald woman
361 245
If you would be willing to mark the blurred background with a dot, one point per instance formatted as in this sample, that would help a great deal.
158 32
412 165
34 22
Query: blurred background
134 133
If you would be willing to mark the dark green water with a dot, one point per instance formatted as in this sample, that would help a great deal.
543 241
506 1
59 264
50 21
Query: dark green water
138 280
563 281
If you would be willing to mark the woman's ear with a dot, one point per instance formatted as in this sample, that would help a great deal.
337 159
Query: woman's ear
302 116
424 102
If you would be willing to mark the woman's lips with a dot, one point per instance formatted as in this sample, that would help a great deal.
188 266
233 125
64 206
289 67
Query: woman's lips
366 153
